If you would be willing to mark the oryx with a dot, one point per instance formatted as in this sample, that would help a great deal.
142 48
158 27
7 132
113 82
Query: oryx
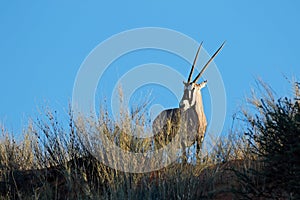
189 119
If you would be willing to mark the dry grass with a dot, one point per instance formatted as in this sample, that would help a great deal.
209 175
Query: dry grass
51 162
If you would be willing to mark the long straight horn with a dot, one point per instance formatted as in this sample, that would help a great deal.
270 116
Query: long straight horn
207 64
194 63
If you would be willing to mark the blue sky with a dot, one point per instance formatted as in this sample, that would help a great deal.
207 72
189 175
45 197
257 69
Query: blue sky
42 45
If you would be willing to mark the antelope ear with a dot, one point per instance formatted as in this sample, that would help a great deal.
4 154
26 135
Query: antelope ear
203 84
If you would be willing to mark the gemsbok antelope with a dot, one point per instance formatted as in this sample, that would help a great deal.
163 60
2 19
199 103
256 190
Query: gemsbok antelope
189 119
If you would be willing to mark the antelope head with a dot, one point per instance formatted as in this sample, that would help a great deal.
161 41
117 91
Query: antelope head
192 90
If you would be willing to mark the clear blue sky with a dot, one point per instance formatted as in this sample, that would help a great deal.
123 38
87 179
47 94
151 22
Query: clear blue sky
42 45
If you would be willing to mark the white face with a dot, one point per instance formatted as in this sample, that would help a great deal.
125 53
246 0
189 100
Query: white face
191 91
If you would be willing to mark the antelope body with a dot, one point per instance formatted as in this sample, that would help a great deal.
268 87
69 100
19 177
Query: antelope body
189 119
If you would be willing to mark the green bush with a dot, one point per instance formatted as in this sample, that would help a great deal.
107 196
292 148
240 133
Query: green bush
274 137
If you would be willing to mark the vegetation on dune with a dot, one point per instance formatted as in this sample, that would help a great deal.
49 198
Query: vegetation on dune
273 133
260 159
